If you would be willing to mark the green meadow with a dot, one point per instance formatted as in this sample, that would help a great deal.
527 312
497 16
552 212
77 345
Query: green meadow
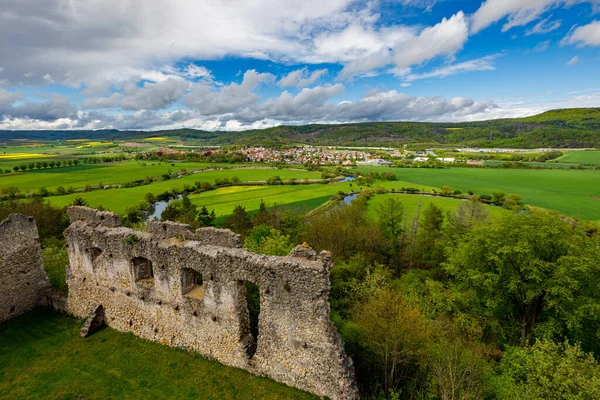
572 192
414 203
118 199
224 200
91 174
581 157
43 357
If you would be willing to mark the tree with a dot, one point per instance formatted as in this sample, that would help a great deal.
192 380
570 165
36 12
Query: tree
263 216
79 201
446 191
547 371
531 273
43 192
468 214
513 202
238 221
204 218
391 217
31 166
498 197
273 243
74 162
61 190
12 192
430 250
394 332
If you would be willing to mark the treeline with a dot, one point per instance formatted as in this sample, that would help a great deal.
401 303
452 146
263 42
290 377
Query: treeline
572 128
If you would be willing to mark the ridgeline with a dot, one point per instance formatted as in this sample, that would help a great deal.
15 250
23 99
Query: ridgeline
568 128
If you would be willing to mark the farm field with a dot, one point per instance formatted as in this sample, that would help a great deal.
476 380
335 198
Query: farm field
581 157
574 193
44 357
118 199
412 202
81 175
224 200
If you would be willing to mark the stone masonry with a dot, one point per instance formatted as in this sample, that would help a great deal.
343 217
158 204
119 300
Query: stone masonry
187 289
22 276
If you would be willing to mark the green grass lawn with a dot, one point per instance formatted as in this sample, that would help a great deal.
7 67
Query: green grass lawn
117 199
574 193
413 202
581 157
43 357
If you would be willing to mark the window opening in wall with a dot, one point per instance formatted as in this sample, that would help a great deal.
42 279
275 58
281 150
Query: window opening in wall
94 253
191 283
142 271
251 318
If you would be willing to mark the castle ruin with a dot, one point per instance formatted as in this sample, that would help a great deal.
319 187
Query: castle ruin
187 289
22 276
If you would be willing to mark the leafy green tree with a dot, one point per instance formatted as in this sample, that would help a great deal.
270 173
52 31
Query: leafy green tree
531 273
446 191
61 190
11 192
498 197
429 241
274 243
513 202
393 332
43 192
547 371
391 218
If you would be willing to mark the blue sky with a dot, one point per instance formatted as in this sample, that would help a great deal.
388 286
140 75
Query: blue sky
240 64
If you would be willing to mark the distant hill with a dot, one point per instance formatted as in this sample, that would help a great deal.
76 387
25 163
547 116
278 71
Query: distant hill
568 128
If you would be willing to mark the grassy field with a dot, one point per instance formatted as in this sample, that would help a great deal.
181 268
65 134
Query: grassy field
412 202
574 193
581 157
43 357
117 199
304 196
92 174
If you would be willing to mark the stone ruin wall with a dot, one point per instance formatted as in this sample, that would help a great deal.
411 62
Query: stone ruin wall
145 283
22 276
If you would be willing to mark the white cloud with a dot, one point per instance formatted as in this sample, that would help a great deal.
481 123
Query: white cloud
443 39
480 64
406 47
519 12
587 35
149 96
544 26
207 100
540 47
301 78
573 61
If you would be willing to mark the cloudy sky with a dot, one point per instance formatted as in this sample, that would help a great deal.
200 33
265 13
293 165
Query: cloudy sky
239 64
